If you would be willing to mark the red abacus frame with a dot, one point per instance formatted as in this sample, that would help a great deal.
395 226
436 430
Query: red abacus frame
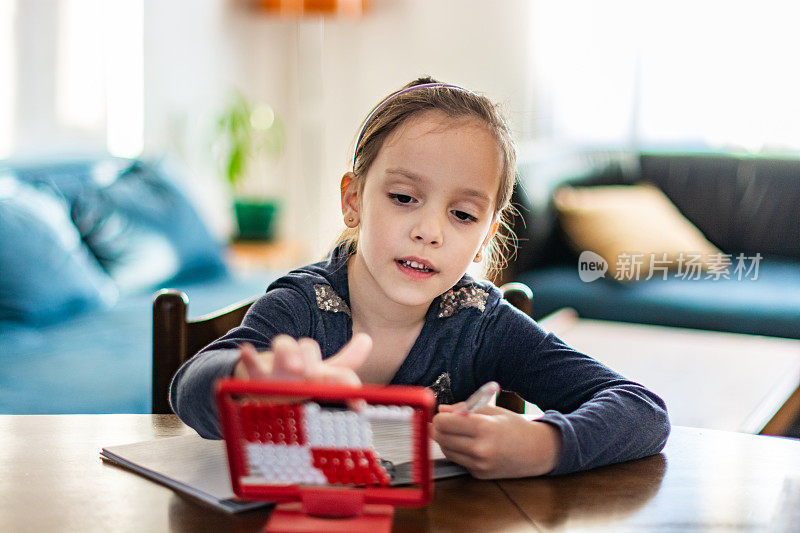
369 506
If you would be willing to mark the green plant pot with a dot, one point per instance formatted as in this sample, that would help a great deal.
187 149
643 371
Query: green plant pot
256 219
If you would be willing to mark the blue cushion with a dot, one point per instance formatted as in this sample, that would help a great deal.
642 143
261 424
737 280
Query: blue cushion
768 305
101 361
135 219
48 274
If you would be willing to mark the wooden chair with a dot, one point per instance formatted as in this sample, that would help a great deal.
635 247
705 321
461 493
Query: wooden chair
520 296
176 338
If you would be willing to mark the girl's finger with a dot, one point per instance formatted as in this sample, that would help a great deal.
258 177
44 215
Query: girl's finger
354 353
284 344
333 374
312 358
464 460
249 358
459 407
493 410
458 443
287 363
456 424
287 360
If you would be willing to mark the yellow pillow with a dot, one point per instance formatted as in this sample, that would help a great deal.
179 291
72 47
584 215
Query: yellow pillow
637 230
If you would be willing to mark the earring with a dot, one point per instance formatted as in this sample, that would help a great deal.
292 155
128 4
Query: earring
478 257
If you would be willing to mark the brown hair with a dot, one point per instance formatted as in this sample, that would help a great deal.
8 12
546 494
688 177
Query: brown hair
455 102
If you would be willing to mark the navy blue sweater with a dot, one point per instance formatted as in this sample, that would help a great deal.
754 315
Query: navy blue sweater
471 335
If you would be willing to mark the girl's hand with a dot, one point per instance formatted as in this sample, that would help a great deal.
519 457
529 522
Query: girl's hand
296 360
496 443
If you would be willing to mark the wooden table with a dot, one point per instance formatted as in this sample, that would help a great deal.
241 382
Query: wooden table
708 379
52 479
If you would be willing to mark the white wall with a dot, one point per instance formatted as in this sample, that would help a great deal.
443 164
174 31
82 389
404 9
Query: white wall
196 54
480 45
322 76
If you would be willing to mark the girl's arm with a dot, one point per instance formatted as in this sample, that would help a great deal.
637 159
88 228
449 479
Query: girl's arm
279 311
496 442
599 416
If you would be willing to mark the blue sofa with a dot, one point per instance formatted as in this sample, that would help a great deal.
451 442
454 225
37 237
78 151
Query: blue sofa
742 204
85 244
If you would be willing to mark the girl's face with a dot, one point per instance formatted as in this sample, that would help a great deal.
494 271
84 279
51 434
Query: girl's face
427 206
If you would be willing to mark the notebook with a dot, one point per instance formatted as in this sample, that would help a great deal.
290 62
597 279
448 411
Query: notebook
198 467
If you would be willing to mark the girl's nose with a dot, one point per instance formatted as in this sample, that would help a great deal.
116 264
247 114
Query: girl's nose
428 230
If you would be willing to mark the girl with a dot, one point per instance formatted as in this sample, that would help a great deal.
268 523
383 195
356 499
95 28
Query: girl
433 171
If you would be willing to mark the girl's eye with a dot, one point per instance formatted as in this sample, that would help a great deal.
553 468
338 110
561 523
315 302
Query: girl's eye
464 217
401 198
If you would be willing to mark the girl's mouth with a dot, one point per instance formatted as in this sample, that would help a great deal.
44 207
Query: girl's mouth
414 269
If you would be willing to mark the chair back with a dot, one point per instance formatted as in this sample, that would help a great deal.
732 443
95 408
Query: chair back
520 296
176 338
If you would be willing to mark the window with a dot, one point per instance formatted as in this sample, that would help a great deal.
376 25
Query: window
8 73
83 90
689 73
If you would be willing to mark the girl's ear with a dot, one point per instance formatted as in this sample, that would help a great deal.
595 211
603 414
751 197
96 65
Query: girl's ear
350 200
485 243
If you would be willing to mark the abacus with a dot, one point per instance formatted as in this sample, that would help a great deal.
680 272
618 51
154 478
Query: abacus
309 447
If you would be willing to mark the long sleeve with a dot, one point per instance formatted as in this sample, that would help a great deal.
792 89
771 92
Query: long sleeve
602 417
191 396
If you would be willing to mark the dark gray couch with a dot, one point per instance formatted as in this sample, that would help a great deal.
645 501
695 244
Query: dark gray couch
742 204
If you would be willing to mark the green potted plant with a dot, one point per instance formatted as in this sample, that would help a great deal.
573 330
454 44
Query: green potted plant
250 139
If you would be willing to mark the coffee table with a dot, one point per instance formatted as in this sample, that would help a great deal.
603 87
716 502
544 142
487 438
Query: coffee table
709 379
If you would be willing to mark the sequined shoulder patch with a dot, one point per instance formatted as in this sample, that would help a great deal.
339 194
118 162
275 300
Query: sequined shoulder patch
328 300
441 389
456 299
